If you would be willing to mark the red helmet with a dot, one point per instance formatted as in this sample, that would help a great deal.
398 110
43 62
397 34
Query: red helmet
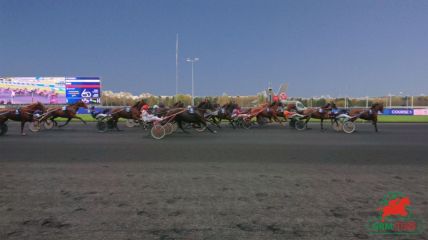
146 107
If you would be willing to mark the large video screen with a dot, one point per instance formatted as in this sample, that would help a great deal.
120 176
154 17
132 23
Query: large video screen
87 89
49 90
25 90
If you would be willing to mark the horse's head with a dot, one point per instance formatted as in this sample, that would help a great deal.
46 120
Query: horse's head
378 107
139 104
36 106
230 106
327 106
291 106
178 104
206 105
81 104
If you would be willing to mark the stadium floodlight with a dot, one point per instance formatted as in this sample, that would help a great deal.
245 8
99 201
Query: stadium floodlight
192 61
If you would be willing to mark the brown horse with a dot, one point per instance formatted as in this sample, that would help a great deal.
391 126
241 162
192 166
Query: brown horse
127 113
23 114
68 112
267 111
368 114
317 113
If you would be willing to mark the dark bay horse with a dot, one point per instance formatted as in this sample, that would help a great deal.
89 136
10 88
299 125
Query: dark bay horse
208 111
132 112
68 112
182 115
22 114
225 112
368 114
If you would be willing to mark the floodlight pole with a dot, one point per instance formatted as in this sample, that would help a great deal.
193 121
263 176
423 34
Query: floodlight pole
192 61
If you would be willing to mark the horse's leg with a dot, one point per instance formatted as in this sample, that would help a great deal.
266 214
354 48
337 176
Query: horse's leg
277 119
375 124
231 123
307 120
66 122
54 122
116 126
205 124
80 119
180 125
215 122
322 125
22 128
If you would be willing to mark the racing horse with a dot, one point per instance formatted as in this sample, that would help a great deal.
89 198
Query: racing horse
317 113
132 112
22 114
68 112
183 115
269 111
225 112
208 111
368 114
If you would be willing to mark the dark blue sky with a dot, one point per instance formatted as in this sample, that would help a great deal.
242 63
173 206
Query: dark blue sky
319 47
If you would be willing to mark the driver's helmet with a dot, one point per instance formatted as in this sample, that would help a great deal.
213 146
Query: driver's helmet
155 106
189 107
146 107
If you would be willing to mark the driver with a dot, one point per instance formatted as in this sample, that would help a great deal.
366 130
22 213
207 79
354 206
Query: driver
146 116
236 113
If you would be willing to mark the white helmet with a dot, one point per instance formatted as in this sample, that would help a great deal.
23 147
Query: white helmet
155 106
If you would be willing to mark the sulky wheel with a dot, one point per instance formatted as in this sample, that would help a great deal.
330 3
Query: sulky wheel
292 123
349 127
300 125
246 123
34 126
338 126
48 124
174 127
158 132
3 129
199 127
145 125
168 128
101 126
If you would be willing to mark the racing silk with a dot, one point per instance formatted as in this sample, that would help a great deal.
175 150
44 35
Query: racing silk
334 112
235 112
147 117
17 111
191 110
64 108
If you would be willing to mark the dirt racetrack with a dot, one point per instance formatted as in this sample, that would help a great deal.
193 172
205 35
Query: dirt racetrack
264 183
